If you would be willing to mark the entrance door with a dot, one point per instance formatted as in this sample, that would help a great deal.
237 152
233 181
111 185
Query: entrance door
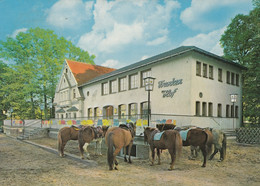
108 112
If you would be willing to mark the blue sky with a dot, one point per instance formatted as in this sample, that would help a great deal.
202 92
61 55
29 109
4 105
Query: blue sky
123 32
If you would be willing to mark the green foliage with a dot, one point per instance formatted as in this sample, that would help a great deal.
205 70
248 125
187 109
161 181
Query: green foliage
37 57
241 44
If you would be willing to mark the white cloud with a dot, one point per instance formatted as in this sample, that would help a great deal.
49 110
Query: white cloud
119 23
196 17
16 32
110 63
209 42
157 41
68 13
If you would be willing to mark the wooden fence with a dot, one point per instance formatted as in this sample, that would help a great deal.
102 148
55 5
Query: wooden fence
248 135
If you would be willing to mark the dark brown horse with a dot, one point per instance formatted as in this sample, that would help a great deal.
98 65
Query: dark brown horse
119 137
71 133
65 134
87 135
198 137
170 139
219 142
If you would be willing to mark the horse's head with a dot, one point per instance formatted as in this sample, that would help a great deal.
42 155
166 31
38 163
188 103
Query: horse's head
104 129
147 131
99 132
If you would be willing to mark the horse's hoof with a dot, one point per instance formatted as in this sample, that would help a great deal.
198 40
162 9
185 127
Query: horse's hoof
116 168
220 160
170 169
203 166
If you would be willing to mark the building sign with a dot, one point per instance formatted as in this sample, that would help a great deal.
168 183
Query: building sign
170 92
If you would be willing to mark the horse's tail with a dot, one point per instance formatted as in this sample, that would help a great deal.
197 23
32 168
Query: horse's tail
209 142
110 145
178 144
224 145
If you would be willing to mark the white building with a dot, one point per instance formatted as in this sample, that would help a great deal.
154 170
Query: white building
192 87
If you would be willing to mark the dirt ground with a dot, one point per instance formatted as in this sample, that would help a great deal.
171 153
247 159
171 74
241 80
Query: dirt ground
25 164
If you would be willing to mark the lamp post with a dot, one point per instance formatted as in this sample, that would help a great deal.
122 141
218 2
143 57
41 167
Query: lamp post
149 82
41 107
233 98
11 110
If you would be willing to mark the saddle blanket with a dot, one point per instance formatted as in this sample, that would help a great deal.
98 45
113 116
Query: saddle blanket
183 134
158 136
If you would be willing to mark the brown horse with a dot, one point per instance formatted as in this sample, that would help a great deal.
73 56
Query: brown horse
219 142
65 134
119 137
87 135
198 137
170 139
71 133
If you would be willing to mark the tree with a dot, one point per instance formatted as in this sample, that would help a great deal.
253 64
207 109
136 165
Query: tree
241 44
37 56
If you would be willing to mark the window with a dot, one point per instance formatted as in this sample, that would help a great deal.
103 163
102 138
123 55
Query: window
205 70
236 111
227 111
220 74
210 109
210 72
228 77
122 84
74 93
133 110
145 74
75 115
197 109
113 86
232 78
219 110
198 68
122 111
90 112
104 88
204 109
133 81
144 110
96 112
237 79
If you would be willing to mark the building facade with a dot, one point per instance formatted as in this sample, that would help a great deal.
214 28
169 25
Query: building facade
191 87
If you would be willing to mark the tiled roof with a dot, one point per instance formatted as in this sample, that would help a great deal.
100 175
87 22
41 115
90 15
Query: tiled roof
84 72
158 58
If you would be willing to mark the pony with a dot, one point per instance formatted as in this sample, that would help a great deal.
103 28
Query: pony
66 134
170 139
119 137
219 143
87 135
198 137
